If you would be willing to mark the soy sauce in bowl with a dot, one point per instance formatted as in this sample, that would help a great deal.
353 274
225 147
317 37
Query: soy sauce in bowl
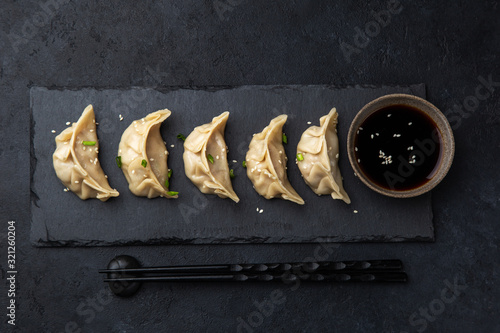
398 147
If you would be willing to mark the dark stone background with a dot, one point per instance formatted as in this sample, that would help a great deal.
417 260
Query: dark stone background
447 46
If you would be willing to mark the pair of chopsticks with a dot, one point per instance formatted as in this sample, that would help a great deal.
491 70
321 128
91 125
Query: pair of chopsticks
126 269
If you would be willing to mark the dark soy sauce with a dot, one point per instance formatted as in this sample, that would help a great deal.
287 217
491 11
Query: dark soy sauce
398 147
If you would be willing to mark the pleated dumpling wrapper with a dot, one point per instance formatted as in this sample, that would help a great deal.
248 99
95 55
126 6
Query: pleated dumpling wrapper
143 157
75 159
205 159
318 158
266 163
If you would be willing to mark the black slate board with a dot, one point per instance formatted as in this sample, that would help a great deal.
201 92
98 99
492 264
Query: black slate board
61 219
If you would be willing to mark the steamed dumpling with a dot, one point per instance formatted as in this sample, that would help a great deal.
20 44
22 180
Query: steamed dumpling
266 163
144 156
205 159
319 147
75 159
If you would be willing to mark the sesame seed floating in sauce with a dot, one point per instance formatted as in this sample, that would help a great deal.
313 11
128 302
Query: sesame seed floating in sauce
53 131
68 123
308 123
355 211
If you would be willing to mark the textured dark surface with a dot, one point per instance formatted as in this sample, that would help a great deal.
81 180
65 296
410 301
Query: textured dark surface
60 218
446 45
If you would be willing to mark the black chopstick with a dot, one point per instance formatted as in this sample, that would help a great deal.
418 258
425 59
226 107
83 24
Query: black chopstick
343 277
125 275
365 265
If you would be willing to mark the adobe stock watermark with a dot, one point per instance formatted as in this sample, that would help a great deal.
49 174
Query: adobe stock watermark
372 29
267 307
33 24
424 149
88 309
420 319
221 7
189 211
483 91
122 106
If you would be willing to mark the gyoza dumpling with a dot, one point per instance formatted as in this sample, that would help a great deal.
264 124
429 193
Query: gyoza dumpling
266 163
144 156
75 159
205 159
318 157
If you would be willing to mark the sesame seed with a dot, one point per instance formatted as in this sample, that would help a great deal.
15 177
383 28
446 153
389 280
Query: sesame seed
172 146
355 211
66 142
359 161
355 174
376 134
337 156
389 115
106 176
356 148
308 123
91 130
97 123
261 211
361 128
257 208
235 161
166 152
66 189
217 156
84 148
53 131
409 124
151 159
133 171
371 136
281 152
76 182
68 123
120 117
